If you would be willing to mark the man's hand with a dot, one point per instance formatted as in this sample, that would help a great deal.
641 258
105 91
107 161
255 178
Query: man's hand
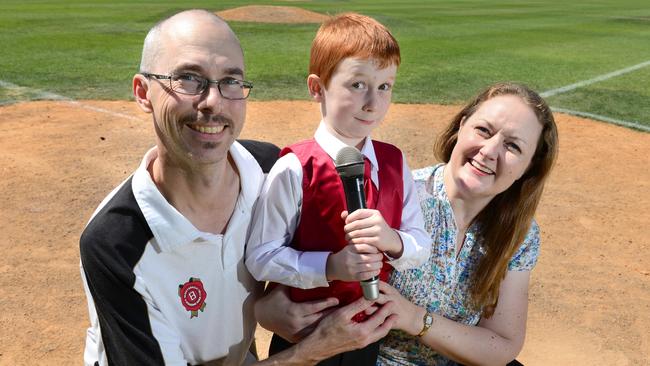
355 262
366 226
338 333
290 320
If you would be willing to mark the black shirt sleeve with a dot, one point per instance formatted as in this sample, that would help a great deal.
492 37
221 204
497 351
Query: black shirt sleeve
110 246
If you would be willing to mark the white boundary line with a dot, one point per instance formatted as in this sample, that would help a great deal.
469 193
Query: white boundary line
41 94
102 110
615 121
564 89
552 92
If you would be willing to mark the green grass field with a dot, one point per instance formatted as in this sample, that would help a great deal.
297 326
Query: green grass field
450 49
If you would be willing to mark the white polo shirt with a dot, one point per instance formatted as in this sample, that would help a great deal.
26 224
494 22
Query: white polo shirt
159 290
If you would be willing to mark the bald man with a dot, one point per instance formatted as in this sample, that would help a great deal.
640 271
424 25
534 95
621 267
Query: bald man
162 256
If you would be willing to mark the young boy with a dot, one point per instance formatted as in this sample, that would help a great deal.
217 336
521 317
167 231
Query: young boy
302 235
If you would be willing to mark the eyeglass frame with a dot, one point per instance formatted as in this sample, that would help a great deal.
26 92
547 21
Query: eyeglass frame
245 84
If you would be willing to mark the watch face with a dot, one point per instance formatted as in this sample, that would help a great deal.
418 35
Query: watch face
428 320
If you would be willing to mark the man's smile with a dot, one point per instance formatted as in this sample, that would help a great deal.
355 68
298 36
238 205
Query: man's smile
208 129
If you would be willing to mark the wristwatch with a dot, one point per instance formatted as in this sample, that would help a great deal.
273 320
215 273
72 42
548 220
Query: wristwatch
427 321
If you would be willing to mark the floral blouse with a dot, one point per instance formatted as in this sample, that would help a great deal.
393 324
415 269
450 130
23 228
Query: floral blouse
442 284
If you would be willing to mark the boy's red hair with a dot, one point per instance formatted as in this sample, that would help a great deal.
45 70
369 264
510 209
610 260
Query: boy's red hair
351 35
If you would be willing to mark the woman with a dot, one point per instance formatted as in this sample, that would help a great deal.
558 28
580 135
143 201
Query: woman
468 303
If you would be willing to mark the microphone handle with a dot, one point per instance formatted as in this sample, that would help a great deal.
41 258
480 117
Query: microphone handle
356 199
354 194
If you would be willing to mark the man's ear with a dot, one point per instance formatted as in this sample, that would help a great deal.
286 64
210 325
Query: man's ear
141 92
315 87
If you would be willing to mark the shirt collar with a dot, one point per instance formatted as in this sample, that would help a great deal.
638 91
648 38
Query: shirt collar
169 227
439 189
250 181
440 193
331 144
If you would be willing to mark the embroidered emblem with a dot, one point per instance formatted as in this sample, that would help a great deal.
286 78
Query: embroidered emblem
193 296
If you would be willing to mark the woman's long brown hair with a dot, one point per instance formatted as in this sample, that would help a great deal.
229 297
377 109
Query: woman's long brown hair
505 221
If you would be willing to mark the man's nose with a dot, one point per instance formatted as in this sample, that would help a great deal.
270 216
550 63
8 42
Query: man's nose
211 99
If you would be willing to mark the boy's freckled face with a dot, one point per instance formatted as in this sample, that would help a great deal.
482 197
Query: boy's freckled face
357 98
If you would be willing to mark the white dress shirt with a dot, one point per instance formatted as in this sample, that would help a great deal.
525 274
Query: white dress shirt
269 256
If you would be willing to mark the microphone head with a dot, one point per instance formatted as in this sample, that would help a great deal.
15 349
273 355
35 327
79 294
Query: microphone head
349 162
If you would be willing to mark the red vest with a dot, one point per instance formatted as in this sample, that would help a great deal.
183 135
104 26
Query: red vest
321 228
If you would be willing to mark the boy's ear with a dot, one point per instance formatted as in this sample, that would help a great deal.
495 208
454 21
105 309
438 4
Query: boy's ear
315 87
141 92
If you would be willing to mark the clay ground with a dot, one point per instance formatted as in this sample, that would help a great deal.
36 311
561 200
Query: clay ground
590 295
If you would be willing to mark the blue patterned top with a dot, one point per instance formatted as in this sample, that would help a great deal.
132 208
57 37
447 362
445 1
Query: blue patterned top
442 284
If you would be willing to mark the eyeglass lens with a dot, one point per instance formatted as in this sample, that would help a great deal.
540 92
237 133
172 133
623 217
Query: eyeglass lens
229 88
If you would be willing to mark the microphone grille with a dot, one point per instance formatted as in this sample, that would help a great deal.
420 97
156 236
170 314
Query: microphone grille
349 161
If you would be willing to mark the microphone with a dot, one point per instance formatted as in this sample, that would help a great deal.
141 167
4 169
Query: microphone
350 166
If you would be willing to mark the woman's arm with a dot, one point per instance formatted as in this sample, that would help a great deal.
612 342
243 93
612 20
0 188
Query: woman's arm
495 341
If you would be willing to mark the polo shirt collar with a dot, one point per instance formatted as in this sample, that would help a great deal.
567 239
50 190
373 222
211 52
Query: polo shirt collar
250 175
169 227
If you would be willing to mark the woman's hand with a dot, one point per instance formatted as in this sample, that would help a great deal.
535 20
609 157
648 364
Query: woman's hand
409 315
291 320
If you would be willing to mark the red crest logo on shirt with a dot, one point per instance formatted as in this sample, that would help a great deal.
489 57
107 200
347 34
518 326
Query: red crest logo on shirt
193 296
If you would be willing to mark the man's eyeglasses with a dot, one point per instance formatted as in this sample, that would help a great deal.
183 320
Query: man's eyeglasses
229 88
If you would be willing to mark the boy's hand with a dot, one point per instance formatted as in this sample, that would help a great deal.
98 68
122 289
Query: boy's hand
367 226
355 262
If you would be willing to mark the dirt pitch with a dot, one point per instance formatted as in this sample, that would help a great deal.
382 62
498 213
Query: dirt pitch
590 295
271 14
